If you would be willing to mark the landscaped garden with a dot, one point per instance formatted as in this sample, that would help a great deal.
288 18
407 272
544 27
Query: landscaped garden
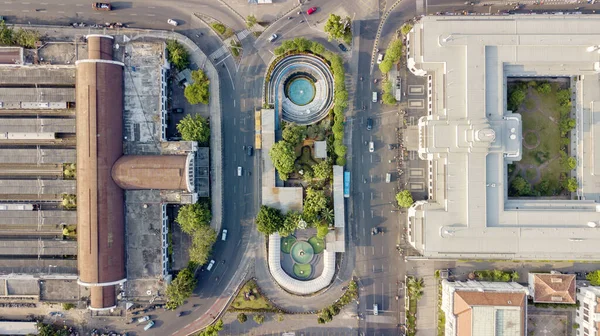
545 167
250 298
300 258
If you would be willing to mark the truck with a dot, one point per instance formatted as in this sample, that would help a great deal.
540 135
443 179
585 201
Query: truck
103 6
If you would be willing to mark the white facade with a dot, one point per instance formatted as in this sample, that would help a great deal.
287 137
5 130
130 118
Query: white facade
588 312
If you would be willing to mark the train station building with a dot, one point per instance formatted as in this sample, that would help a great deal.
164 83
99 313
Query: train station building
469 137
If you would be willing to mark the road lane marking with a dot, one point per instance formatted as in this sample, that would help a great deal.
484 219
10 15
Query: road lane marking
133 14
79 5
234 103
150 15
26 3
373 248
25 10
372 214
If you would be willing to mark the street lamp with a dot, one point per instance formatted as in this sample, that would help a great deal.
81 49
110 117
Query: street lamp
49 268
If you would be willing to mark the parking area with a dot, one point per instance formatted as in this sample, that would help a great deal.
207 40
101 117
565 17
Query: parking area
177 102
550 321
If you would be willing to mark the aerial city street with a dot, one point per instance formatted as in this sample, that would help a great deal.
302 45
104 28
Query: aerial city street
300 167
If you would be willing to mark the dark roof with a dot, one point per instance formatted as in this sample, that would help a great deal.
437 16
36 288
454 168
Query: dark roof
100 208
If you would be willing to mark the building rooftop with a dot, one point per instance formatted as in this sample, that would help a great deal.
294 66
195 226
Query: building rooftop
469 137
552 288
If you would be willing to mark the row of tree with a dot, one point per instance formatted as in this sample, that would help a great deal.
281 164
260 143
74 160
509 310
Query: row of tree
194 220
198 91
392 56
21 37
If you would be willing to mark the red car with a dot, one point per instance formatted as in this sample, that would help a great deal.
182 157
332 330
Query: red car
311 10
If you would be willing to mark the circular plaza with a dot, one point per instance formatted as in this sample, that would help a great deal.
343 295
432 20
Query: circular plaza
300 87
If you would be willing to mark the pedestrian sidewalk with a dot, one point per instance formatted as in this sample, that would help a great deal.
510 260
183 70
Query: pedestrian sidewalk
427 305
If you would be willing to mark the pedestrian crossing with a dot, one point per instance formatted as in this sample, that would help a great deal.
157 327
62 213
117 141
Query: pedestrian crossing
243 34
218 53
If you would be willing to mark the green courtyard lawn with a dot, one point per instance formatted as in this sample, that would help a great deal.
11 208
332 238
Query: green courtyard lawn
286 243
250 298
542 138
317 244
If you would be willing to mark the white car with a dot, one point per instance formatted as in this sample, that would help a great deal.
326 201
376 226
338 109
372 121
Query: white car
371 147
379 58
172 22
224 235
273 37
210 265
239 171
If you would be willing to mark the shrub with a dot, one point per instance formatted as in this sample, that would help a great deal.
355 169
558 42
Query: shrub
259 318
242 317
517 97
520 186
250 21
571 184
544 88
405 29
219 27
68 306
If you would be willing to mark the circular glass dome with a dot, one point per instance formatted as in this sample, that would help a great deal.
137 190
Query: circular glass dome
301 91
302 252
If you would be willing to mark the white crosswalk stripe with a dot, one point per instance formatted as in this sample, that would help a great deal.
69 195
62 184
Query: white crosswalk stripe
219 52
242 35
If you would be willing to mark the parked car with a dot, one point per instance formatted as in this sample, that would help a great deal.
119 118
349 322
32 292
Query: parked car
375 231
224 235
379 58
103 6
143 319
178 110
311 10
149 325
172 22
342 47
210 265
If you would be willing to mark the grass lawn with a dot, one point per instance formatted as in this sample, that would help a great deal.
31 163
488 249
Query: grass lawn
286 243
250 297
317 244
302 271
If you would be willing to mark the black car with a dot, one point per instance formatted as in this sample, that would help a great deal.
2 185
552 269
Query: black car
177 110
369 124
342 47
249 150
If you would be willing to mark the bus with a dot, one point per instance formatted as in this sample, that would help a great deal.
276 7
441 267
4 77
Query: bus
346 184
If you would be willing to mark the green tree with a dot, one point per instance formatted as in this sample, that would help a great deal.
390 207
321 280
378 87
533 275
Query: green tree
571 184
544 88
314 203
6 34
328 215
259 318
26 37
242 318
594 278
194 128
565 125
180 288
251 21
323 169
521 186
191 217
317 48
514 276
283 156
212 330
569 163
388 98
290 223
203 240
336 27
50 330
517 97
322 231
269 220
386 66
404 199
415 287
293 133
198 92
394 52
177 54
